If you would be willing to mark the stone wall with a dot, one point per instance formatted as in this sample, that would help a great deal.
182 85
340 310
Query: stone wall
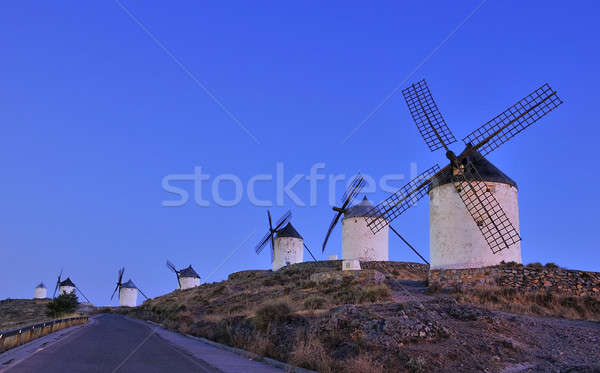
364 276
525 278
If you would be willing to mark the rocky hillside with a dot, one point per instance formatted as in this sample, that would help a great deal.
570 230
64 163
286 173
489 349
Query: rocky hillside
384 318
19 312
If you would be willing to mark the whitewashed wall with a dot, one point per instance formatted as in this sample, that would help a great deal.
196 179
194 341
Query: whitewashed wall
455 240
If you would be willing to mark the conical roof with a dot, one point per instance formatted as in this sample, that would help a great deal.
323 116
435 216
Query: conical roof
129 284
67 282
486 169
188 272
362 209
41 285
288 231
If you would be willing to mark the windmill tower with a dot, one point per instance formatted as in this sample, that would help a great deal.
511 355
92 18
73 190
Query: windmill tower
127 291
287 245
66 287
40 291
186 278
358 242
473 205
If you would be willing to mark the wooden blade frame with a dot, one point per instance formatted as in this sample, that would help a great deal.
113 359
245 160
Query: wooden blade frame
513 120
407 196
427 116
353 189
485 210
272 230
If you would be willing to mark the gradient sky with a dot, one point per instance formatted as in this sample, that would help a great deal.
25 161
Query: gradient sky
95 113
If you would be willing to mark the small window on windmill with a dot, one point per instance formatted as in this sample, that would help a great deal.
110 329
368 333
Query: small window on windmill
347 264
490 188
479 222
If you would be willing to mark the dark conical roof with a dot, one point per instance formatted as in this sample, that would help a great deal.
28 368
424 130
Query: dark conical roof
362 209
486 169
288 231
41 285
188 272
129 284
67 282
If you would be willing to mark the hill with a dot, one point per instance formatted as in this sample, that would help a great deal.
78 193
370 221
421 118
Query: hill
20 312
383 318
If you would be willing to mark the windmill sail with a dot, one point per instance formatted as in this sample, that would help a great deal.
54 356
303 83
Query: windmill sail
513 120
389 209
485 210
427 116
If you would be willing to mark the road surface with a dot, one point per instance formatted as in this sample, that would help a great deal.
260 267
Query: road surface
112 343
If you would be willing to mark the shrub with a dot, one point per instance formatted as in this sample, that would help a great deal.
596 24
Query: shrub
308 284
375 293
271 313
313 303
552 265
62 305
416 365
535 265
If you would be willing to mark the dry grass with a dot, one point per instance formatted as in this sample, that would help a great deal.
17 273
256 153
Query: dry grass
542 303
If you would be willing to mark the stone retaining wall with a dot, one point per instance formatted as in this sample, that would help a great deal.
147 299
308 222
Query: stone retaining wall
364 276
526 278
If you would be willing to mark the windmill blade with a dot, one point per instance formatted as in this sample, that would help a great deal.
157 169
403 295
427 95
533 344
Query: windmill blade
353 189
120 276
283 220
490 218
113 293
270 223
81 292
427 116
336 217
409 245
261 245
513 120
407 196
57 283
171 266
141 292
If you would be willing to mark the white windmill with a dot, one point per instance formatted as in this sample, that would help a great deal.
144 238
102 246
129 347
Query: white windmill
66 287
474 219
287 245
40 291
127 291
186 277
358 242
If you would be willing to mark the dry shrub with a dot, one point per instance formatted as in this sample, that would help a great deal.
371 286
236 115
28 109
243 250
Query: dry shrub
364 363
416 364
375 294
314 303
272 312
543 303
311 354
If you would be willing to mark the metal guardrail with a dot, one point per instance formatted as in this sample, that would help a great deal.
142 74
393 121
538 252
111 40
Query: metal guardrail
18 336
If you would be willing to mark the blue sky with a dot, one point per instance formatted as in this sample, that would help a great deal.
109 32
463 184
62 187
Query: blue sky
95 114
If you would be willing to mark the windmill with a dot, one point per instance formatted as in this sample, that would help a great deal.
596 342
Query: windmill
473 205
186 277
40 291
127 291
357 242
66 287
287 245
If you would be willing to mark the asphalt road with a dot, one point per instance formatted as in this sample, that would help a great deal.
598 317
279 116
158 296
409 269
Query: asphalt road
115 344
